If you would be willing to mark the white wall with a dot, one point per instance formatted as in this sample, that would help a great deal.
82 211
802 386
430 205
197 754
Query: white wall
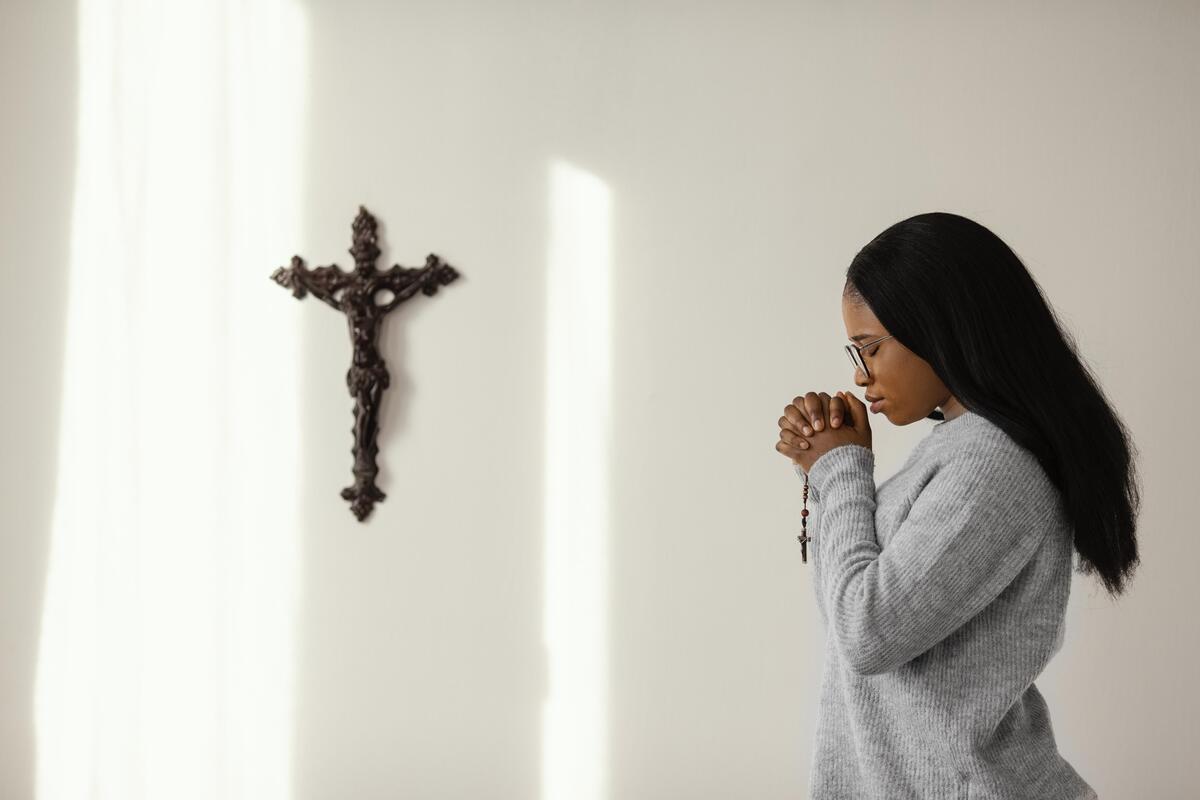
742 153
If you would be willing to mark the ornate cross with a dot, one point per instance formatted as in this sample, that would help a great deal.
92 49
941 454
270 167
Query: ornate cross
361 296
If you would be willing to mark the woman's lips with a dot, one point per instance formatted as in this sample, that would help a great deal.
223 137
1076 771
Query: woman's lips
876 406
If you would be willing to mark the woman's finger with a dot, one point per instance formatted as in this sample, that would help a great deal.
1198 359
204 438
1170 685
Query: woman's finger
794 440
787 424
814 406
799 417
837 410
792 450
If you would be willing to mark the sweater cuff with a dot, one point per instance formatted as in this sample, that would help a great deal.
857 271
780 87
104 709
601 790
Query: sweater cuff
845 468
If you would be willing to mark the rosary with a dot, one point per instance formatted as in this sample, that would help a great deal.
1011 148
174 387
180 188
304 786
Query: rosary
804 538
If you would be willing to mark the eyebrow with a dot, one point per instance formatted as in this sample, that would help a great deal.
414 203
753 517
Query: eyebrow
864 336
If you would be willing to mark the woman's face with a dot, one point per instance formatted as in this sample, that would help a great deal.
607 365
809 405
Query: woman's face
907 384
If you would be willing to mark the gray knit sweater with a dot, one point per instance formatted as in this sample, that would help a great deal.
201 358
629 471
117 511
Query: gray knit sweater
942 594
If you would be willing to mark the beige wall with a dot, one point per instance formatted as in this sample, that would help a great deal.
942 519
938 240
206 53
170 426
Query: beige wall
746 152
37 158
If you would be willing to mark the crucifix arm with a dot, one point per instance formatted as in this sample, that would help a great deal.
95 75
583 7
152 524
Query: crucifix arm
322 282
404 283
402 290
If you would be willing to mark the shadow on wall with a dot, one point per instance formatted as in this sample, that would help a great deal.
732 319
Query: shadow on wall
38 88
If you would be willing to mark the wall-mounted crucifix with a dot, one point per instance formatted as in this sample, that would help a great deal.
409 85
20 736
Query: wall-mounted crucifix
365 296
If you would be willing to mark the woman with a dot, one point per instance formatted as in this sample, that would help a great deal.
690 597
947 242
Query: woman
943 591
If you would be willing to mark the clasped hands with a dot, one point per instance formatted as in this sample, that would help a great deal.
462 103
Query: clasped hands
815 423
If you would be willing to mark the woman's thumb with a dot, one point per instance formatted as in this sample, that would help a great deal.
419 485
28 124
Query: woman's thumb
858 411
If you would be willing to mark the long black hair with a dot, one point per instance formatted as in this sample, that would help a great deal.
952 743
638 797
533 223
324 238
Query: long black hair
956 295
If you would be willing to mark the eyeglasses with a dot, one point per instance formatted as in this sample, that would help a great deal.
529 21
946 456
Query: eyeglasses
854 351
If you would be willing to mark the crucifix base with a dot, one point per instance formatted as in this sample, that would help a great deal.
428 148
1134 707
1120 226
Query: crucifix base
363 496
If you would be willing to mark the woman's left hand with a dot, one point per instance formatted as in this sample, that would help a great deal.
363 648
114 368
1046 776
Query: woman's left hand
834 421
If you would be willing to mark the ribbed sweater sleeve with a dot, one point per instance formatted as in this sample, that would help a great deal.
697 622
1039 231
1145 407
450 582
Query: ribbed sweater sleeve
968 534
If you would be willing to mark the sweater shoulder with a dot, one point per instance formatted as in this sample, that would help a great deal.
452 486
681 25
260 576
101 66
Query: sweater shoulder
977 450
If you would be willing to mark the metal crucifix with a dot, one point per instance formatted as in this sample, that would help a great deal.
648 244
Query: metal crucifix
358 295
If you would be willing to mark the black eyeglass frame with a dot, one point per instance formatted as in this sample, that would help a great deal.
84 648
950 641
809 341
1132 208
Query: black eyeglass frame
854 351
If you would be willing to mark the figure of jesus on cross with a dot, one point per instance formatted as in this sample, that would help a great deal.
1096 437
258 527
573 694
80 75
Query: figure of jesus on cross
360 295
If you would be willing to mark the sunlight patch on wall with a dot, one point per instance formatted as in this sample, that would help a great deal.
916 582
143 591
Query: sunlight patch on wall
165 661
578 405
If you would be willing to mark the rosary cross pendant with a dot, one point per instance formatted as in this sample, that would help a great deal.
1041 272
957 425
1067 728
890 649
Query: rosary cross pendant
804 539
365 296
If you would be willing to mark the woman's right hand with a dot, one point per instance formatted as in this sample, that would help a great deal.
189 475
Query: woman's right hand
810 414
